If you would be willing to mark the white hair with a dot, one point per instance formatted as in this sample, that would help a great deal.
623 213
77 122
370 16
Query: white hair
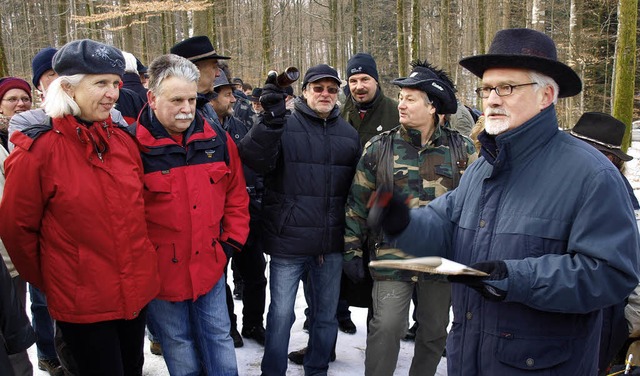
170 65
131 65
57 103
544 81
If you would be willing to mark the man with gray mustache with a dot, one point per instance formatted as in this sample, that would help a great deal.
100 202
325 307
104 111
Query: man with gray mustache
197 214
546 216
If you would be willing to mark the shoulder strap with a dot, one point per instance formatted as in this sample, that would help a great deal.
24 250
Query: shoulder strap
458 152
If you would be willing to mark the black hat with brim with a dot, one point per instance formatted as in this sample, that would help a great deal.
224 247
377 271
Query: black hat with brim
196 49
255 94
440 92
603 132
526 49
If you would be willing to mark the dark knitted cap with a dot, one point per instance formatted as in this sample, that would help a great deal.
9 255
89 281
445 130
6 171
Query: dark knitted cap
362 63
87 56
42 63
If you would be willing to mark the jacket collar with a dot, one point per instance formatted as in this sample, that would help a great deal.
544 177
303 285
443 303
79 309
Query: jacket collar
518 145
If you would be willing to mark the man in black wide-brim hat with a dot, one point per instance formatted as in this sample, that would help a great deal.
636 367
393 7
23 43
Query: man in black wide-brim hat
544 215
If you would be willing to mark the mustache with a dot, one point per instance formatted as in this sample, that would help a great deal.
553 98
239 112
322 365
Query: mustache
184 116
495 111
361 91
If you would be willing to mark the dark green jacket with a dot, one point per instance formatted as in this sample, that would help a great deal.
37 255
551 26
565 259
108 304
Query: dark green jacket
382 116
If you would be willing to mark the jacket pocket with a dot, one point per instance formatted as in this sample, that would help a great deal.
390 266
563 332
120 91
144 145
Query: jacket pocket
533 354
218 174
286 213
160 201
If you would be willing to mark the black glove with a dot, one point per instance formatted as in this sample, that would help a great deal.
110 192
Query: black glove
354 269
389 212
272 100
228 250
497 271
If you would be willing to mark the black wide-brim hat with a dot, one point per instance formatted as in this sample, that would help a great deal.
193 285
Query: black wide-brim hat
424 79
603 132
526 49
255 94
196 49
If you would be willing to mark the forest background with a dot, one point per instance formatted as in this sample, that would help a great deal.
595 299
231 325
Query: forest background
597 38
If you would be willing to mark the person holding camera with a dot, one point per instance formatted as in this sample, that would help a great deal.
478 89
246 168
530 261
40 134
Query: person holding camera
308 159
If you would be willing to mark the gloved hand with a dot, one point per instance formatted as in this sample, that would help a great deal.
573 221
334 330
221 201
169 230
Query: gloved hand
497 271
388 211
354 269
273 102
228 250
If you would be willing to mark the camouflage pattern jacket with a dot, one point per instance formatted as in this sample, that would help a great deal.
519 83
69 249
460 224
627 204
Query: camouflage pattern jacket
421 172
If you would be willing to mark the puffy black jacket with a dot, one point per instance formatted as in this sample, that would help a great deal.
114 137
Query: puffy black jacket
308 165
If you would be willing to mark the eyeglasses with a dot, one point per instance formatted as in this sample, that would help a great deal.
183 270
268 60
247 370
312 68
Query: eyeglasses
320 89
14 100
501 90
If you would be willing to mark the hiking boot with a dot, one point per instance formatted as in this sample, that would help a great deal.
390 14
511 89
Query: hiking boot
255 332
155 348
237 338
297 357
347 326
411 332
52 366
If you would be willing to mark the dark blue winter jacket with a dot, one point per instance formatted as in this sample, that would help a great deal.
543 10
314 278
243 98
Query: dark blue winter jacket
308 165
558 213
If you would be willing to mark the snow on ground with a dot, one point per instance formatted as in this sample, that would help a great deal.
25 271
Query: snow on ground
350 350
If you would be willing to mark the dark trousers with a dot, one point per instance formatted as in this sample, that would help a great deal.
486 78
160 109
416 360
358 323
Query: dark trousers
107 348
250 263
42 324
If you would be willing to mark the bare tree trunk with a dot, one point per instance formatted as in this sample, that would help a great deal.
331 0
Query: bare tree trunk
625 65
402 49
415 29
266 37
62 23
127 32
355 27
333 32
537 15
4 71
575 25
444 32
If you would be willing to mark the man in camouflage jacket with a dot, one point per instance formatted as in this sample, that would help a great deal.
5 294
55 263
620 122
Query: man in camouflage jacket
422 160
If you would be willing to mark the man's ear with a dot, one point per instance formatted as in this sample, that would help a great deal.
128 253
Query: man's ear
547 97
151 98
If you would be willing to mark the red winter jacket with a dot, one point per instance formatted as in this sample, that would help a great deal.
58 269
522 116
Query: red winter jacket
196 199
72 219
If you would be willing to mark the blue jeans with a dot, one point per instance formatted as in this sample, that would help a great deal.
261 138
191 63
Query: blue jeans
42 325
324 287
194 335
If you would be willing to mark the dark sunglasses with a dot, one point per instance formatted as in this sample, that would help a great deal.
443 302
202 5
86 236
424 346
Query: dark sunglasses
320 89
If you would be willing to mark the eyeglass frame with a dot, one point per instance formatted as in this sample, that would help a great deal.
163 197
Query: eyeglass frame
485 89
321 89
16 100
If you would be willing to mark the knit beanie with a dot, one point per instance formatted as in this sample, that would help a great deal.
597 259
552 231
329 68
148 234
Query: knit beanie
41 63
87 56
8 83
362 63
